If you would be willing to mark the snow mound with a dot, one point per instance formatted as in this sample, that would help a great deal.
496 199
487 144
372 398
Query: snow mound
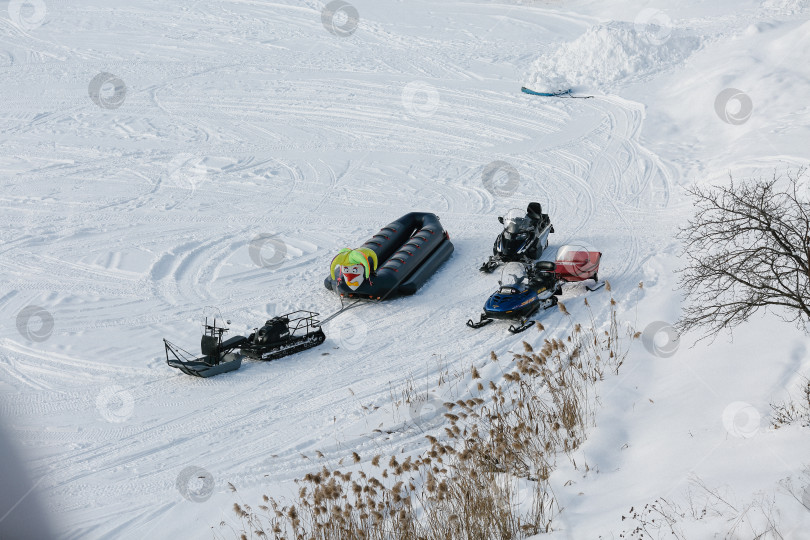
610 54
786 7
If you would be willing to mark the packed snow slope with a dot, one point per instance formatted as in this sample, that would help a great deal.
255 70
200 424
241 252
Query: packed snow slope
159 158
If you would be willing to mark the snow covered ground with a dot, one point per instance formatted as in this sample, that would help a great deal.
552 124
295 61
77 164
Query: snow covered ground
158 158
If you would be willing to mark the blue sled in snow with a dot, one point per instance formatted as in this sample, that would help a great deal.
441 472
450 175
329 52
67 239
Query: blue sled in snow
545 94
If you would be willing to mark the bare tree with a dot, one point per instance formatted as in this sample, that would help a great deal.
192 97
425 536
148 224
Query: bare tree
747 248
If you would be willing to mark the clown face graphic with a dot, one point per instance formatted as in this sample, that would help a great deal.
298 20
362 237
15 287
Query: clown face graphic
355 265
354 275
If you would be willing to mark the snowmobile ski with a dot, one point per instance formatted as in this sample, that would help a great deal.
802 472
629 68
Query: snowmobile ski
481 322
528 323
525 325
489 265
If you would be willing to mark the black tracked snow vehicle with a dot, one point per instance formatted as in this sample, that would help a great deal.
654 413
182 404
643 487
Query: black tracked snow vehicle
280 336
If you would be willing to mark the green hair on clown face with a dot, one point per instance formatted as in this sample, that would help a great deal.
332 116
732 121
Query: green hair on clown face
349 257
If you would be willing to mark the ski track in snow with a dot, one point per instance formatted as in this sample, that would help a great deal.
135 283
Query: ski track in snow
124 224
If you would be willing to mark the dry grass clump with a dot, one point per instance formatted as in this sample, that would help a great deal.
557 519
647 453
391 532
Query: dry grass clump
708 513
797 410
486 476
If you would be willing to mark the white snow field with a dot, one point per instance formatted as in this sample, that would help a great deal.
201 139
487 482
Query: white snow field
154 153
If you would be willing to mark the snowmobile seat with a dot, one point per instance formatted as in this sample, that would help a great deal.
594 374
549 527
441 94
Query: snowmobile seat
544 275
232 343
535 211
546 266
535 214
208 345
274 329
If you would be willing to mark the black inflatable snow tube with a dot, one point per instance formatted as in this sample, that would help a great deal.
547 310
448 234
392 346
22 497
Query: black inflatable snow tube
409 251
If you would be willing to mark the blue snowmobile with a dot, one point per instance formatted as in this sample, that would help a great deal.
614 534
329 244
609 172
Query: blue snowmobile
524 288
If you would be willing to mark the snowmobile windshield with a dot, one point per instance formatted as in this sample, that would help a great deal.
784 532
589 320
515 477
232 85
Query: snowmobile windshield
515 222
513 276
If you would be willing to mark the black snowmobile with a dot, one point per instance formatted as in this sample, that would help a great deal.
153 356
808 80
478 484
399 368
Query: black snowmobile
523 239
280 336
284 335
524 288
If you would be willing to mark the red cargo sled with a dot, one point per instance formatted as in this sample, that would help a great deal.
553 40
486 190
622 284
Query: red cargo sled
578 263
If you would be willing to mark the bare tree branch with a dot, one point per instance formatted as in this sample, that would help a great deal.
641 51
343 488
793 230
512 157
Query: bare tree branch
747 248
